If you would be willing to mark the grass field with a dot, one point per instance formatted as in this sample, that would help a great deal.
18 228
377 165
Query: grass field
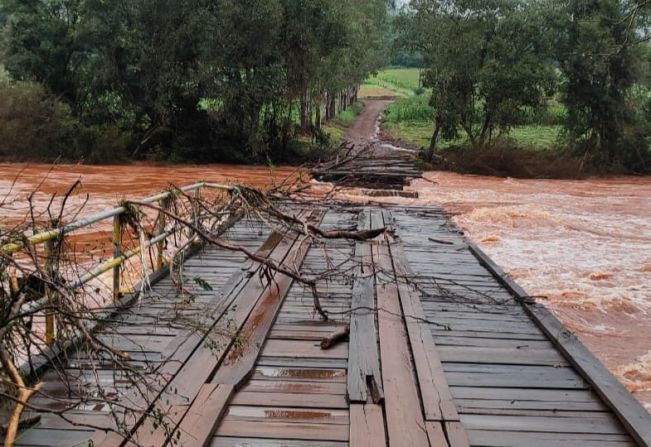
419 134
401 81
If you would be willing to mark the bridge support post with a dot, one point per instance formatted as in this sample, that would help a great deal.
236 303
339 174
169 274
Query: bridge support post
117 252
50 269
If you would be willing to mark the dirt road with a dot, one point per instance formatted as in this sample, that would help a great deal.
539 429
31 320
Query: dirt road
365 130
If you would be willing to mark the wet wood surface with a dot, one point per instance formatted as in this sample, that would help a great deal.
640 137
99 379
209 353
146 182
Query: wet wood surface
440 352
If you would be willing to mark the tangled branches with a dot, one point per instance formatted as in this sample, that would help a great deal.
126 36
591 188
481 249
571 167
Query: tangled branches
54 299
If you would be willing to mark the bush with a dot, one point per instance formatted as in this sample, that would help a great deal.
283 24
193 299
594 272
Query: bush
36 126
32 124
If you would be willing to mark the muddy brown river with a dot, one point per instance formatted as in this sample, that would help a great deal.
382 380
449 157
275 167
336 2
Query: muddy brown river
582 247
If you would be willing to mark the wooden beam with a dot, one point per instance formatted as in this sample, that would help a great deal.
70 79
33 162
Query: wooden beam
405 422
203 417
367 426
635 418
364 359
438 404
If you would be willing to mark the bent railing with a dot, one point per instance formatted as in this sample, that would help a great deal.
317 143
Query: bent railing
51 237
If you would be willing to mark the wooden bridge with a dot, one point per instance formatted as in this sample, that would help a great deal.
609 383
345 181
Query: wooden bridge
428 343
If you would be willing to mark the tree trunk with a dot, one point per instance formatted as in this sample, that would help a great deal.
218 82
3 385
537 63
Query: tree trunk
306 119
484 130
317 117
332 106
429 155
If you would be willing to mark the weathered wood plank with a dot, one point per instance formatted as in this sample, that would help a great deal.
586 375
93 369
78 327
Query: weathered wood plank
283 430
291 399
628 409
221 441
436 434
405 423
537 439
363 359
367 426
438 404
202 418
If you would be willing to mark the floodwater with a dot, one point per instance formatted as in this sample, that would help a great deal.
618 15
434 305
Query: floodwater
581 247
102 188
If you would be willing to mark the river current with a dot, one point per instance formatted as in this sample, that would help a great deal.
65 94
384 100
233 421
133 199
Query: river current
581 247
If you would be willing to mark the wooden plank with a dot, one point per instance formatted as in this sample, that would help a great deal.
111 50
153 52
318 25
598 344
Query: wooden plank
602 424
283 430
298 373
436 434
196 359
536 439
302 348
288 414
456 433
222 441
287 386
630 412
293 399
367 426
202 418
506 356
363 359
405 423
526 395
240 360
438 404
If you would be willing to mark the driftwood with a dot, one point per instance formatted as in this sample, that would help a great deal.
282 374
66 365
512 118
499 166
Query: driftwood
336 337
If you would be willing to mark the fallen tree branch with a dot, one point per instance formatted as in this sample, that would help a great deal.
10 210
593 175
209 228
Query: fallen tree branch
336 337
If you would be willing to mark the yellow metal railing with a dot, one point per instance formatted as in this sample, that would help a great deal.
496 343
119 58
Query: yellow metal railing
52 239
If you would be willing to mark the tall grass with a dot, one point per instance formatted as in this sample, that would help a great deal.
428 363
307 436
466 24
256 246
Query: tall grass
414 108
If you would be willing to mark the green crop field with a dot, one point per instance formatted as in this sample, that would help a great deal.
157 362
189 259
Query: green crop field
401 81
412 120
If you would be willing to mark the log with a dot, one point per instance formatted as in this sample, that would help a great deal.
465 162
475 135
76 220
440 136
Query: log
336 337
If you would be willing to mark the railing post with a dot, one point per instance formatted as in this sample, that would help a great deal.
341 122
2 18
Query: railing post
160 247
14 287
117 252
196 210
50 269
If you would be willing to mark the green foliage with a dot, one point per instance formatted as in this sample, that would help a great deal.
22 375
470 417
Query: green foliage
197 80
415 108
404 81
602 64
203 284
485 61
35 125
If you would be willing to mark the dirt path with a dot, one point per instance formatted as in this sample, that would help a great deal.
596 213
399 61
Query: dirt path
365 130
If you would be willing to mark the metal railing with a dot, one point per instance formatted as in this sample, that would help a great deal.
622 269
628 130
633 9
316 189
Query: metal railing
52 237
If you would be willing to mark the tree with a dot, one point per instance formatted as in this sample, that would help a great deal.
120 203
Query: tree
484 61
193 78
601 60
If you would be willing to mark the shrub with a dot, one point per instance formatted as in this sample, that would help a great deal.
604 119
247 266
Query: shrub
33 124
36 126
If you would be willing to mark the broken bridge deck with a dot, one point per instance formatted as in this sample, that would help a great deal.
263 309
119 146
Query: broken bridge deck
443 351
